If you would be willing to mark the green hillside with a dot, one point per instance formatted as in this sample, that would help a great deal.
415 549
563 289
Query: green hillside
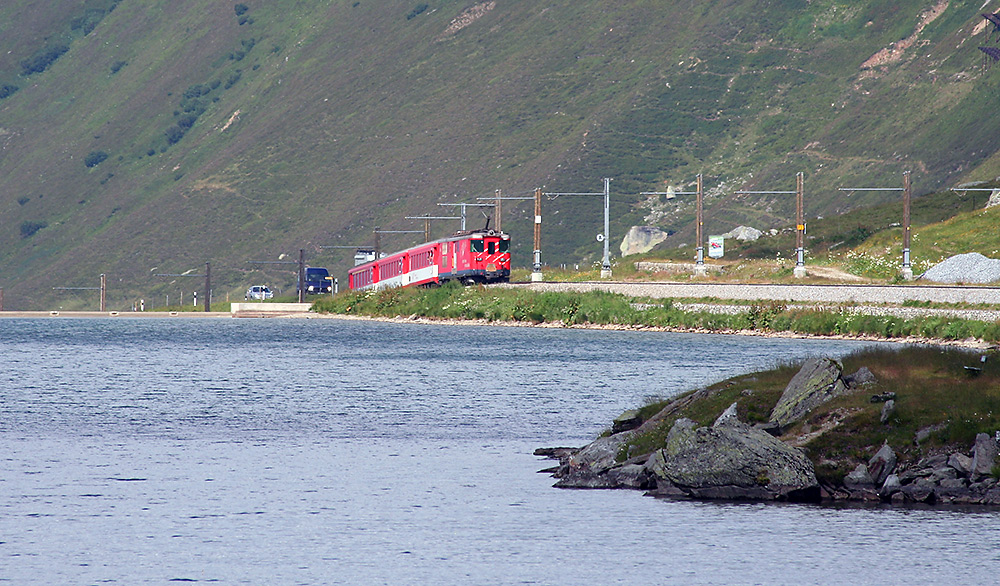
139 138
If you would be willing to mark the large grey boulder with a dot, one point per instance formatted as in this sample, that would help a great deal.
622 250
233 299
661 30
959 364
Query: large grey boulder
731 460
744 234
882 464
961 463
890 487
861 378
817 382
641 239
984 455
859 479
588 467
888 411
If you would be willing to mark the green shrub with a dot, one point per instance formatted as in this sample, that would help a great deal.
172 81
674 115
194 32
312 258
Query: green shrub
174 134
94 158
41 60
241 9
186 121
197 90
233 78
7 90
417 11
28 228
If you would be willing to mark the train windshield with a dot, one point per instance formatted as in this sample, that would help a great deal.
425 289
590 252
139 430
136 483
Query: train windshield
503 246
477 246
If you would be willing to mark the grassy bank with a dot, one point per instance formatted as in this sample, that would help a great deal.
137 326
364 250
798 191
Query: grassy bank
934 393
610 309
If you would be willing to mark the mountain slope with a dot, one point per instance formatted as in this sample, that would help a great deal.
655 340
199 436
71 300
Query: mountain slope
242 132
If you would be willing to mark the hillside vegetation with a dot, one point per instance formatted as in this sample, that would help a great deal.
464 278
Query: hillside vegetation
147 138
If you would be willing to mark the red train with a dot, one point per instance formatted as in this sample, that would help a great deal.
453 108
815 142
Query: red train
479 256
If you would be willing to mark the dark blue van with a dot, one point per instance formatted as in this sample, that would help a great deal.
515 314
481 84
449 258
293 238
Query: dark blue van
318 281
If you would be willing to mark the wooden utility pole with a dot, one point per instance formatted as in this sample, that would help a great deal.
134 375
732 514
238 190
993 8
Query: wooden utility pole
907 269
800 226
497 213
208 287
302 275
104 292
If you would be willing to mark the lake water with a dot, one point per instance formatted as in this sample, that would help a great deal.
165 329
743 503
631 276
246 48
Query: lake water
155 451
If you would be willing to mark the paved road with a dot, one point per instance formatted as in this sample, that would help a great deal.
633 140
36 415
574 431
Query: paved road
115 314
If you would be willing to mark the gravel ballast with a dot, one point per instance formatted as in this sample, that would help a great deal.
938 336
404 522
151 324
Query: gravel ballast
971 267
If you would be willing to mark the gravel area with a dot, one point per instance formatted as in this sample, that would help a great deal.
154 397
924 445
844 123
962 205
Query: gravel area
965 268
862 294
902 312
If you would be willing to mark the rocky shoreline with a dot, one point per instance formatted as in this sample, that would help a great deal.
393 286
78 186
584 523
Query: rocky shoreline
733 460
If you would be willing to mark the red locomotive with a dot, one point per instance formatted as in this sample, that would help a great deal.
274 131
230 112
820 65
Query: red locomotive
479 256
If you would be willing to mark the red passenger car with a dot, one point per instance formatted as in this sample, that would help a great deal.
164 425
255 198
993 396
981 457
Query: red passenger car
480 256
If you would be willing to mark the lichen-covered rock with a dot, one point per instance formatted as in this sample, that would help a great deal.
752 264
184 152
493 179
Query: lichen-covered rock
817 382
587 467
627 421
727 417
731 461
629 476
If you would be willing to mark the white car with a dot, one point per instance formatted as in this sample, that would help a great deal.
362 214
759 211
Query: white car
259 292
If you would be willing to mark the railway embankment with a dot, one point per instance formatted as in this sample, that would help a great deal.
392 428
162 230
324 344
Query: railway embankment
821 294
914 426
964 315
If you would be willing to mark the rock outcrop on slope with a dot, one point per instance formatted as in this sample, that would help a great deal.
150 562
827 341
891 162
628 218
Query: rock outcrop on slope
818 381
733 460
730 460
641 239
744 234
954 478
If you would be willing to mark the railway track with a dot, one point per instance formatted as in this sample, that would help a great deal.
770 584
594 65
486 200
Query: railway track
794 293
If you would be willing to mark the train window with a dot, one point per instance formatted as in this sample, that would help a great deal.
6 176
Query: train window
477 246
491 247
503 246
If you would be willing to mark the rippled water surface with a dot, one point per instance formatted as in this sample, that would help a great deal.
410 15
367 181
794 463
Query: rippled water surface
142 451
